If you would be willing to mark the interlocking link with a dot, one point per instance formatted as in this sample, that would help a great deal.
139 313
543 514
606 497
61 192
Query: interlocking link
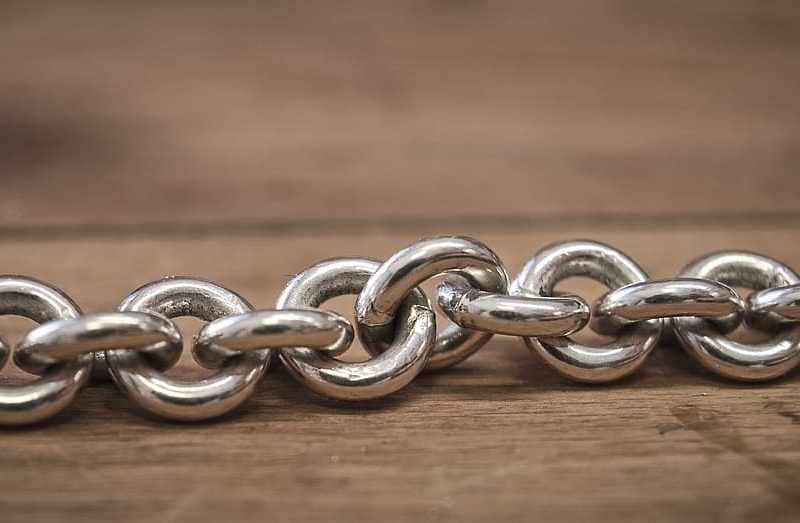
413 327
461 258
658 299
176 399
157 338
221 339
770 307
137 344
511 315
58 384
730 358
611 267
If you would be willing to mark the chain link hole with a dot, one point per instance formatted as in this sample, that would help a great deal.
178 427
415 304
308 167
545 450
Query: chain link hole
186 368
344 306
744 333
12 329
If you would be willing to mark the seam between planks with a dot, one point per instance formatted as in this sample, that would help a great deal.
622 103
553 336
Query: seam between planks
316 226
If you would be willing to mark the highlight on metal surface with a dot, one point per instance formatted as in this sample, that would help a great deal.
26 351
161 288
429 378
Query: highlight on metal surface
394 320
609 266
157 338
520 315
58 384
147 386
670 298
774 306
730 358
324 331
464 259
413 327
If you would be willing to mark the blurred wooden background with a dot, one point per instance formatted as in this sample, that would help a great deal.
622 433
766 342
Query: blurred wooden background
242 142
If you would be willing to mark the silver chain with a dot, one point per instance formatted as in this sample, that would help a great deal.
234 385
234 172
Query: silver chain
394 320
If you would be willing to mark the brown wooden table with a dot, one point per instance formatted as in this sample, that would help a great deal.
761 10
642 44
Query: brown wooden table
244 143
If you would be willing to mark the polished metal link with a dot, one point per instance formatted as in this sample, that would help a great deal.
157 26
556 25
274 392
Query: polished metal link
396 325
150 389
465 260
221 339
609 266
157 338
773 307
658 299
705 341
413 327
511 315
5 352
58 384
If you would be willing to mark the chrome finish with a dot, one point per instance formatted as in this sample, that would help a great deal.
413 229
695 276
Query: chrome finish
397 326
511 315
614 269
414 330
157 338
313 329
776 306
56 388
171 398
5 352
732 359
667 299
463 260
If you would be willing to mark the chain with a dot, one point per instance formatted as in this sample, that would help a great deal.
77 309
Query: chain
394 320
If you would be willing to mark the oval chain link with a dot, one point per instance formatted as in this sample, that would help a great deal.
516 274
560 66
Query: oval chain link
394 320
609 266
672 298
511 315
59 341
58 384
463 259
221 339
729 358
774 306
414 335
156 393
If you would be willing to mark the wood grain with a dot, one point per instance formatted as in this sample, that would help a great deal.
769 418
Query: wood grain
130 113
244 142
501 436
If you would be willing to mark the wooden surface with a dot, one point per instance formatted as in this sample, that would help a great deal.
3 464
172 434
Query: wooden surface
244 143
396 111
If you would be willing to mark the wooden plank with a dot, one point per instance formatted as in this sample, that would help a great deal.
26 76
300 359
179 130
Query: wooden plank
196 113
242 144
500 436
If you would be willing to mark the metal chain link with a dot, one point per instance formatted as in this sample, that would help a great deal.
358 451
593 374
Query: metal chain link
138 343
